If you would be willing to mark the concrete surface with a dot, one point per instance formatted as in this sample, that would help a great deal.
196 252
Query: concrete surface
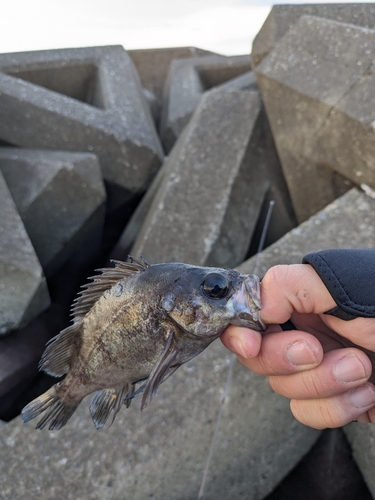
306 83
214 182
283 17
87 99
60 197
23 288
187 80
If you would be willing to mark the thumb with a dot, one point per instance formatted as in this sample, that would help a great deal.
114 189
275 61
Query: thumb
289 288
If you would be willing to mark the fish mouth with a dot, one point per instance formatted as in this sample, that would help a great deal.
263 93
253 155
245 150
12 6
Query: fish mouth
246 304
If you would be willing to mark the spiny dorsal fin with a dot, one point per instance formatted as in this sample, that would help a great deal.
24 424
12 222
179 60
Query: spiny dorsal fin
102 282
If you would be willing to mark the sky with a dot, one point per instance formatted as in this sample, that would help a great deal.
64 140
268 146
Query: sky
224 26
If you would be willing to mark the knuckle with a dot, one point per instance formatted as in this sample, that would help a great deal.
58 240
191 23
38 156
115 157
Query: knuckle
311 384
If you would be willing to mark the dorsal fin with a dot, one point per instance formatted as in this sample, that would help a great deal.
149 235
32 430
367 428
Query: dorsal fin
102 282
59 351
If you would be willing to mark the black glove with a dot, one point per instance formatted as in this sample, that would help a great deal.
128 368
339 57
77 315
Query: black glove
349 276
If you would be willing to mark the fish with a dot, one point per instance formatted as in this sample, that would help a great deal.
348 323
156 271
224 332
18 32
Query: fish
138 322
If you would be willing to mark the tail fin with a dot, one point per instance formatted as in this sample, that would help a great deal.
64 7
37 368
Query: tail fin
57 413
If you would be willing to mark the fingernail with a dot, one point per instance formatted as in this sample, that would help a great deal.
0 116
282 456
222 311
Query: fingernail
362 396
300 353
237 346
349 369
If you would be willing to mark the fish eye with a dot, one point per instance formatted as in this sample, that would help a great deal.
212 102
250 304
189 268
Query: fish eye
215 286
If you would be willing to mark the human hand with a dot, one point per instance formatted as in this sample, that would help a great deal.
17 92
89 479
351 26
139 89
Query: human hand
325 366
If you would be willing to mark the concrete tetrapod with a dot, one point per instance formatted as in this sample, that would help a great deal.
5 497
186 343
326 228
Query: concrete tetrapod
316 88
87 99
23 288
61 198
211 189
153 66
283 17
187 81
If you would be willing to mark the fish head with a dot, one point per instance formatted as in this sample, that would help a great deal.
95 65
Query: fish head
204 301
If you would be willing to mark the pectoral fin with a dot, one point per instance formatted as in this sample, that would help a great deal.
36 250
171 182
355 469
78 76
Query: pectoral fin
162 370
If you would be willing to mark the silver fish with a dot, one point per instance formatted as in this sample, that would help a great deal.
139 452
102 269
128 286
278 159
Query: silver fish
139 322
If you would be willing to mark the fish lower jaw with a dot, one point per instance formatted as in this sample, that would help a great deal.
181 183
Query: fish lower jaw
252 321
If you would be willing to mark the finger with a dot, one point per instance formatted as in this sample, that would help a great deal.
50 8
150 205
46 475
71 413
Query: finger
314 324
364 418
360 331
368 417
242 341
276 353
297 287
340 371
336 410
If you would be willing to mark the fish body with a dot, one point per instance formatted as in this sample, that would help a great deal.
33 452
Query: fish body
138 322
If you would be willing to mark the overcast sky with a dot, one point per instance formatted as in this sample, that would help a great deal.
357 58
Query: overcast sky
224 26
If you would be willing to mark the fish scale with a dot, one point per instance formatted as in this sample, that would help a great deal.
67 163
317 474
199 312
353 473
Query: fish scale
138 322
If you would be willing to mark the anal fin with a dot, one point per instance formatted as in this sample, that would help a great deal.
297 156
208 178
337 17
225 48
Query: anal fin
129 396
106 401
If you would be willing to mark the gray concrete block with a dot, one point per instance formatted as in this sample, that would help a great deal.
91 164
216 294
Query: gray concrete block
153 104
307 93
362 440
23 288
211 188
132 229
153 64
243 82
283 218
87 99
187 80
61 199
283 17
346 140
